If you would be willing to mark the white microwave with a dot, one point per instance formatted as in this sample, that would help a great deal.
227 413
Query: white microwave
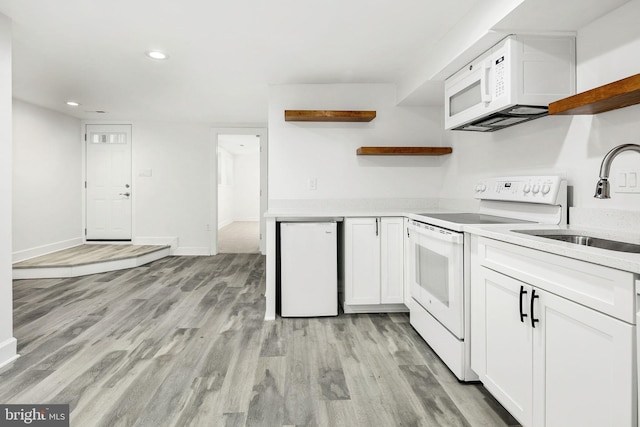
512 83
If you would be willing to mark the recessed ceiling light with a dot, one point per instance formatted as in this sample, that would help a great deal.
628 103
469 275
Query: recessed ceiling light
156 54
72 103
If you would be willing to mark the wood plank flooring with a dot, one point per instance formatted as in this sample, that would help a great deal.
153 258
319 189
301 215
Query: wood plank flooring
182 342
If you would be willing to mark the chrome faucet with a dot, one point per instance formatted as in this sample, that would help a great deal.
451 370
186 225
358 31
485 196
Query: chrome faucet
602 188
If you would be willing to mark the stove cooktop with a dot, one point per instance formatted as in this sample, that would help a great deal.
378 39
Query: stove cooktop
472 218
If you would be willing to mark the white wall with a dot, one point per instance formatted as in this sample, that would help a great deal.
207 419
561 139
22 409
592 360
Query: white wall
225 187
174 201
239 198
47 173
574 145
246 192
7 342
327 151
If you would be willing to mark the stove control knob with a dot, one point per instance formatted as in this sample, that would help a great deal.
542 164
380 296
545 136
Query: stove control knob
535 189
526 188
546 188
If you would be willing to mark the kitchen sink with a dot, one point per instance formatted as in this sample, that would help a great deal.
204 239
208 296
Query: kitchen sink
584 240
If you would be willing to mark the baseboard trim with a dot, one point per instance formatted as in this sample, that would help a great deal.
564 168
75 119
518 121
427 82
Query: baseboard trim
374 308
191 251
224 224
26 254
8 351
158 241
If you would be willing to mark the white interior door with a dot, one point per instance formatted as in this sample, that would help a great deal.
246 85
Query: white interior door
108 185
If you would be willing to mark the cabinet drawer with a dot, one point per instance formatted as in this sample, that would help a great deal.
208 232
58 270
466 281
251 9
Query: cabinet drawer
602 288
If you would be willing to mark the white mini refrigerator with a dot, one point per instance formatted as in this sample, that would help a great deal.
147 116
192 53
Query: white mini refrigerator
308 269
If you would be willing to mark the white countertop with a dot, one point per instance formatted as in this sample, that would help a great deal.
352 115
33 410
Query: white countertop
620 260
282 208
331 213
409 208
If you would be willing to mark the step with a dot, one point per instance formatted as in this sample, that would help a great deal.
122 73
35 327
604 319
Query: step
84 260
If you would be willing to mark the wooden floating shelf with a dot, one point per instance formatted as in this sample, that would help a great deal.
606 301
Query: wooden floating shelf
403 151
612 96
328 116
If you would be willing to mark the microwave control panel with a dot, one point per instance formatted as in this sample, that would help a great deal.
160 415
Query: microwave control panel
531 189
500 76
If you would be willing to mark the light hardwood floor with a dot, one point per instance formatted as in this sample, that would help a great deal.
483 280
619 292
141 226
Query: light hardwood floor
239 237
182 342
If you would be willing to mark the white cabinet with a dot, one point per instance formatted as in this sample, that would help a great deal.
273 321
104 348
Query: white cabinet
373 264
362 261
392 260
551 361
408 254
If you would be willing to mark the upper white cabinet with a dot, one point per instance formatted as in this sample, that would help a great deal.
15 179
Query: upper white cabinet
373 267
549 360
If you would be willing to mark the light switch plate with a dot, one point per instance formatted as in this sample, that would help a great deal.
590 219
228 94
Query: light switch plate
626 181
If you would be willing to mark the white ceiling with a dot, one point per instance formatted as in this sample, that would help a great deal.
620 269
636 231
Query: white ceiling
224 55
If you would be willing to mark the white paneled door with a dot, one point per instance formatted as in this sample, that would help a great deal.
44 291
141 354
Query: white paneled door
108 185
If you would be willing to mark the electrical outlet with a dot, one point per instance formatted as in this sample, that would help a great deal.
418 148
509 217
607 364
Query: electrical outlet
626 181
312 184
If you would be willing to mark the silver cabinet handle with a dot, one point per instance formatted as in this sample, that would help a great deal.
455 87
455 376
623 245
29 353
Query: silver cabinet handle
125 194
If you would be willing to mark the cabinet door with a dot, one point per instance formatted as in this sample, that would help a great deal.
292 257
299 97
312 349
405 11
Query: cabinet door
583 366
408 254
392 260
505 365
362 261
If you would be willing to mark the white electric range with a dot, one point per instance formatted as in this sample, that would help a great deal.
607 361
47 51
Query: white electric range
440 252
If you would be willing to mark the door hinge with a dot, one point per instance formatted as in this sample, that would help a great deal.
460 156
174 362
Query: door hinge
85 136
85 184
260 236
85 231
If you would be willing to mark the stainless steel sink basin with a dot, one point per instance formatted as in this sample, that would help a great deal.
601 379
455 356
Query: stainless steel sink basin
579 239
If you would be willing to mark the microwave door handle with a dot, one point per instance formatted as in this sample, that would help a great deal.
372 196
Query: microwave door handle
484 82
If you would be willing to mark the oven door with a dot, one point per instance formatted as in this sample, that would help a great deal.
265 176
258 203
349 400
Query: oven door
436 269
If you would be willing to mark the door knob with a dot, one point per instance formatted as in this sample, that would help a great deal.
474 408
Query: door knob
125 194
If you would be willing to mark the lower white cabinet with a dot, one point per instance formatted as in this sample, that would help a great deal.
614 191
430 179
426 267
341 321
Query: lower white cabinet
373 264
548 360
407 265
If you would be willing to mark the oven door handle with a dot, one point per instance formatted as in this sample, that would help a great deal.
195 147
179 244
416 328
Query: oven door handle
437 235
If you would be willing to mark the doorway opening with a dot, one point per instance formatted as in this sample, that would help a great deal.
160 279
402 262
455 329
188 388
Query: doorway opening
239 193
